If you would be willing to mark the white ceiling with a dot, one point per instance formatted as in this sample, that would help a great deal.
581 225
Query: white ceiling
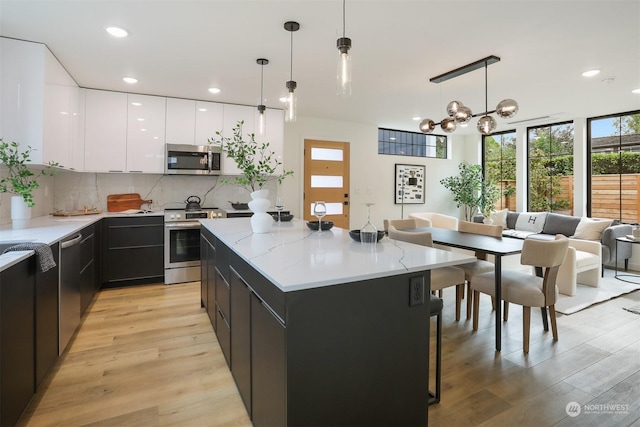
180 48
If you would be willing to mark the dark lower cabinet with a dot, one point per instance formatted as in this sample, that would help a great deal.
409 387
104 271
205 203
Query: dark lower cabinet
241 342
133 250
17 340
268 374
87 281
46 318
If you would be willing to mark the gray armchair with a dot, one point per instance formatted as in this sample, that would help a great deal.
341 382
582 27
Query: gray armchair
609 255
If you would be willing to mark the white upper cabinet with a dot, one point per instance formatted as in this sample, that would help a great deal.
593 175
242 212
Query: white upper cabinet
181 121
209 120
38 102
145 133
105 139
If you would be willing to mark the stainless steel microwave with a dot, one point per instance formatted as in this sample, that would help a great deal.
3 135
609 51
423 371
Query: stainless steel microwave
185 159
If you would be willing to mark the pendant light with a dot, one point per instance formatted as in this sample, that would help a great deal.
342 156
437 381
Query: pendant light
344 60
291 85
261 119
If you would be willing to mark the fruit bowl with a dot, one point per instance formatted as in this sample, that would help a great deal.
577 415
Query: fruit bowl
355 235
326 225
283 217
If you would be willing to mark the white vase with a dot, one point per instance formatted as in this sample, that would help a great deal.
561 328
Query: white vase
20 212
261 221
488 221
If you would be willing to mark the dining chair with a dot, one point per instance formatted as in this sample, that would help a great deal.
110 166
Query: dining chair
481 265
441 278
401 224
525 289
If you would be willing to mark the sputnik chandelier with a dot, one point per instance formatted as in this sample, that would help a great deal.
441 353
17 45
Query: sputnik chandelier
461 114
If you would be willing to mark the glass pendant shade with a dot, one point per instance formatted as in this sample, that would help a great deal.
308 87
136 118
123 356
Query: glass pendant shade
507 108
427 126
343 75
486 125
290 112
261 120
463 115
448 125
452 107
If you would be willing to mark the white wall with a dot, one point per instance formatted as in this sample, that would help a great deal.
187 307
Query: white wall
372 174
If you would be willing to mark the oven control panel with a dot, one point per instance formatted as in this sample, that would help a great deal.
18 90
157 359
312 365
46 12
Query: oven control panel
178 215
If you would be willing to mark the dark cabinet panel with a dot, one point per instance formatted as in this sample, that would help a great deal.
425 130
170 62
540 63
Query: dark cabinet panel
268 363
212 277
224 336
132 250
17 346
87 268
241 342
46 318
204 272
223 298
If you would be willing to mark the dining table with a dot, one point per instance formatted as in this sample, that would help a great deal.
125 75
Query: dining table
496 246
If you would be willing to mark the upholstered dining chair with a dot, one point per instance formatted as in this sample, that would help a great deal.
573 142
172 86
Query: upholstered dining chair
481 265
402 224
526 289
440 277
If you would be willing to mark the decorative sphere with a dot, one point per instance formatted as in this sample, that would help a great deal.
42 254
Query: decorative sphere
448 125
463 115
427 126
507 108
486 125
452 107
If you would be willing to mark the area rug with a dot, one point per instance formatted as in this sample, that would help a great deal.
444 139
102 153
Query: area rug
587 296
635 309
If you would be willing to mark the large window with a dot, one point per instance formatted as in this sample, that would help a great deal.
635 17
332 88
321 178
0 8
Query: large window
614 148
414 144
499 164
550 171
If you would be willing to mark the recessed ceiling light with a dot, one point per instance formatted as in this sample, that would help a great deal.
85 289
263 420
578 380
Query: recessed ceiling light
202 109
416 118
590 73
636 91
283 99
214 90
136 104
117 32
130 80
140 119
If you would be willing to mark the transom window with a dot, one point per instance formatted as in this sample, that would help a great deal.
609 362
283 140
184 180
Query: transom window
413 144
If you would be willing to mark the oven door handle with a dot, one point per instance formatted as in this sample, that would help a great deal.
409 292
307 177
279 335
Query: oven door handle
182 225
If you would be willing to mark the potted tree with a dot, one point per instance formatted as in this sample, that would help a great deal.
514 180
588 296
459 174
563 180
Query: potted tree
20 180
259 165
470 190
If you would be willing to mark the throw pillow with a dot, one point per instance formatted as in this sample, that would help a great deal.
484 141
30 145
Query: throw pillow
560 224
531 221
499 217
591 229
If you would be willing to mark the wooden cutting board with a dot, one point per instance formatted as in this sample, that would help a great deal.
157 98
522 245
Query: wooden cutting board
122 202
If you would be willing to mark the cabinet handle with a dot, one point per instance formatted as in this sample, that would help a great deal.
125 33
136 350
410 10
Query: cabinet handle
111 170
135 171
72 242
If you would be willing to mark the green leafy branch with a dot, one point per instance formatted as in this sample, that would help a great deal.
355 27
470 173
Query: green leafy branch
20 180
256 161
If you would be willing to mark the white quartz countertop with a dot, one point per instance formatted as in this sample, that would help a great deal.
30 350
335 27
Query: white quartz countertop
293 257
49 229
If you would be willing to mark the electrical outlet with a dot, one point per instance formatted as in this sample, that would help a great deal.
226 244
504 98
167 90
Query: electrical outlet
132 189
416 290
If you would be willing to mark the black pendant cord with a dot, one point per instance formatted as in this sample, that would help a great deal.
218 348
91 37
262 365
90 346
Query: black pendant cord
291 59
486 91
261 82
344 19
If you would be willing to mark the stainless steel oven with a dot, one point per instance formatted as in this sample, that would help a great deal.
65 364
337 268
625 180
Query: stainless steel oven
182 243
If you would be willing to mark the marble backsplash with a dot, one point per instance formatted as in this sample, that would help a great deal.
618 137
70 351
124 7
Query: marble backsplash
70 191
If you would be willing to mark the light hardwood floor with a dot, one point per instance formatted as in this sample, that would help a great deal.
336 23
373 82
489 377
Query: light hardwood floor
147 356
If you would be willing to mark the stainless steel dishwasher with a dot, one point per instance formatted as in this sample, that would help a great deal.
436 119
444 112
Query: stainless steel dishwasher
69 289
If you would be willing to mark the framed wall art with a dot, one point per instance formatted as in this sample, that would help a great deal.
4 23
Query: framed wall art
409 184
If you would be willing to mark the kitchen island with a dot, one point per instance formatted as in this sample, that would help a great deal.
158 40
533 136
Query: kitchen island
318 329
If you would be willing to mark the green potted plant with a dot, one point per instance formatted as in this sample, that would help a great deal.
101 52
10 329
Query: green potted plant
256 161
470 190
258 165
489 195
20 180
